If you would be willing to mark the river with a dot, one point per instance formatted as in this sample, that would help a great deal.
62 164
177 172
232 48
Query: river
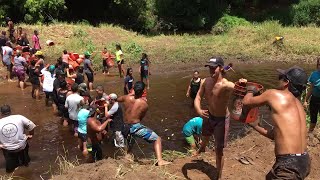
169 109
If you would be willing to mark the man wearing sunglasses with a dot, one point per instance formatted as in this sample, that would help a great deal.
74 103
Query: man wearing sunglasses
289 119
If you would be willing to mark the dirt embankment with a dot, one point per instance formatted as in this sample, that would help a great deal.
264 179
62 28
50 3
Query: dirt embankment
254 146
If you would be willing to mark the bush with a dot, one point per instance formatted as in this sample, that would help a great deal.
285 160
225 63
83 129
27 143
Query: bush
227 22
306 12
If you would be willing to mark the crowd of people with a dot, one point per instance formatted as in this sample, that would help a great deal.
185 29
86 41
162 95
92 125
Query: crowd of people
91 119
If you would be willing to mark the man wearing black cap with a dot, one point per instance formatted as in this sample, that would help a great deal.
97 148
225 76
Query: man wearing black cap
217 91
289 119
13 141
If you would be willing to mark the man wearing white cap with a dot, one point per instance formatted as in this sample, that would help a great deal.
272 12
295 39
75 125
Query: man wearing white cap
116 125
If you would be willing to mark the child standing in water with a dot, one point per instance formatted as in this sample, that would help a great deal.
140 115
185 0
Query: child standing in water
128 81
145 69
194 86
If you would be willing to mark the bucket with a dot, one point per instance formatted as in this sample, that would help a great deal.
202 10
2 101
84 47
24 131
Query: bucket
70 82
49 43
243 113
110 63
74 64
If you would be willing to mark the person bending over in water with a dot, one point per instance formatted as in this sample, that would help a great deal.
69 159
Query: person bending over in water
289 119
135 109
193 126
217 91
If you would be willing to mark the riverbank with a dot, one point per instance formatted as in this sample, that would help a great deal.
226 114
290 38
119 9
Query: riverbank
244 43
254 146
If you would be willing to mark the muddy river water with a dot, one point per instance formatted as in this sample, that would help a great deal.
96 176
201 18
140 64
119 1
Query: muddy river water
169 109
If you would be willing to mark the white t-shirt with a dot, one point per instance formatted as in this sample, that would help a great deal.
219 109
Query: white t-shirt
7 53
11 131
73 104
47 80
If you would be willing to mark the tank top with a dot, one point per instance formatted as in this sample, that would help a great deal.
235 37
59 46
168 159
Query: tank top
144 64
117 120
79 79
194 88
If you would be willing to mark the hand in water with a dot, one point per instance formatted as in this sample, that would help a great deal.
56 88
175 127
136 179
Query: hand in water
204 113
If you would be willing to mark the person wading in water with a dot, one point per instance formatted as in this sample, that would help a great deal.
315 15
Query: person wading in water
135 108
217 91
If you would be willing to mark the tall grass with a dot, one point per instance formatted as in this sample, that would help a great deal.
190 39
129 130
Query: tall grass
247 42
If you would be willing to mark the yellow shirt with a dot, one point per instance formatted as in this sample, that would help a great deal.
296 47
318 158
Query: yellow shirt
118 55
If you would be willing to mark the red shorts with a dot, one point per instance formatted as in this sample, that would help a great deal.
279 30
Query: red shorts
218 127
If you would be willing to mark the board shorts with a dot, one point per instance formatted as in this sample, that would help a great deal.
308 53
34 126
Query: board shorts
141 131
90 77
290 166
63 111
20 73
15 159
218 127
49 95
95 150
190 139
144 74
82 137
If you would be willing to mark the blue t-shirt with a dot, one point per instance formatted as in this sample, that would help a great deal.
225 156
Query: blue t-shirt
193 126
82 119
315 80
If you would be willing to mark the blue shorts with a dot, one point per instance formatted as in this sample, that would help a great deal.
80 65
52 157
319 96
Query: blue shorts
141 131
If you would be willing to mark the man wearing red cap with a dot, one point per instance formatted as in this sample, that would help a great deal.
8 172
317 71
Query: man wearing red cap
289 119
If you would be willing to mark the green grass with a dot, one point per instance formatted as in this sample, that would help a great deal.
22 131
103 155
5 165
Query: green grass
248 43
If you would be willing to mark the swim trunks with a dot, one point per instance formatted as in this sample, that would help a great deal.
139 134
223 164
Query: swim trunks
218 127
141 131
290 166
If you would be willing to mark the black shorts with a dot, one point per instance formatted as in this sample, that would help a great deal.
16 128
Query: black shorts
15 159
104 63
290 166
90 77
121 61
95 151
49 95
9 67
63 112
82 137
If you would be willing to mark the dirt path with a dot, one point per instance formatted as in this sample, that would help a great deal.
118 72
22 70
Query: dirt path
255 146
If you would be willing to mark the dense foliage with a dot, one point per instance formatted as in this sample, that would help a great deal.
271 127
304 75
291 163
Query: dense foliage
149 15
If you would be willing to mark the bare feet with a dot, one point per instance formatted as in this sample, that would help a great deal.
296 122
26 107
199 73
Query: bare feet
65 123
85 152
163 163
129 157
75 134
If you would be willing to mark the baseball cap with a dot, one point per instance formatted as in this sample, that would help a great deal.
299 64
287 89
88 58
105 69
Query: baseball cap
82 87
87 53
5 109
295 74
39 53
215 62
51 68
113 96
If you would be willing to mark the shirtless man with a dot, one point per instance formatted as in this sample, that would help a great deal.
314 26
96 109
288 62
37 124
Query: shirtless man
94 129
289 119
135 110
217 91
